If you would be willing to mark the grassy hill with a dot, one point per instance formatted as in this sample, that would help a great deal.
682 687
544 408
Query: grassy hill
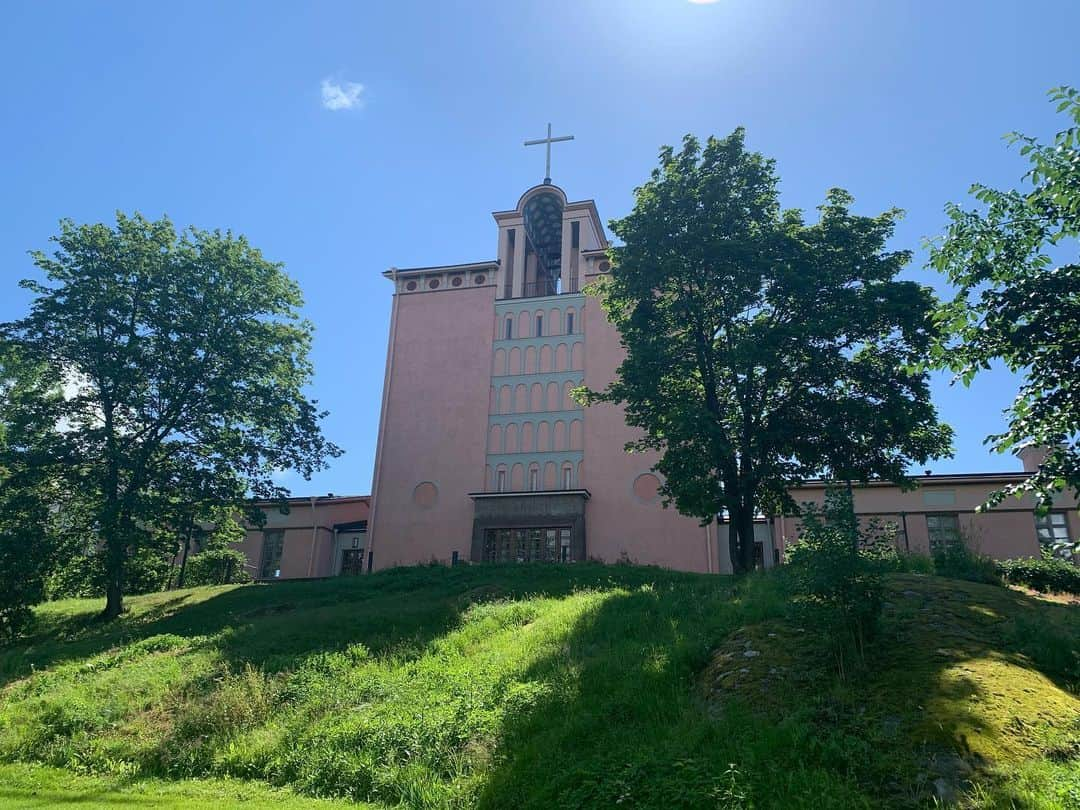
544 687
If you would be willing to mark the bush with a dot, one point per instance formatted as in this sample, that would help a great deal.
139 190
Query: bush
837 579
82 574
1048 574
957 561
217 566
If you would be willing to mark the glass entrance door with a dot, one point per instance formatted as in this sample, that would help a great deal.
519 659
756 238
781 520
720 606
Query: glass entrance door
533 544
352 562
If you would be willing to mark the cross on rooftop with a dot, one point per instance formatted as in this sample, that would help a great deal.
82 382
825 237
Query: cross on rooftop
548 141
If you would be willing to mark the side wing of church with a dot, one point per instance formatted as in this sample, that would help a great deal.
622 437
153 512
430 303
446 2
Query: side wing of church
482 452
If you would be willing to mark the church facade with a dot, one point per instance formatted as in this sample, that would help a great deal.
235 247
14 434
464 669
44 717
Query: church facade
483 453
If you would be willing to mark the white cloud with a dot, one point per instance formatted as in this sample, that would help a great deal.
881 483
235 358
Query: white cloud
342 95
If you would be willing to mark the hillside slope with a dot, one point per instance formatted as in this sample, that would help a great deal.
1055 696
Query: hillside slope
550 687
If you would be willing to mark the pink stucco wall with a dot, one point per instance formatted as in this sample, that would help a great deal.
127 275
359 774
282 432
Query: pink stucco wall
1007 531
434 424
618 523
308 549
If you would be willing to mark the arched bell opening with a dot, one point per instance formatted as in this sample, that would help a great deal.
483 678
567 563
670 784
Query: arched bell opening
542 215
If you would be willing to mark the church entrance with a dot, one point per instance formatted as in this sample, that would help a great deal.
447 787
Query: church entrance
534 544
535 526
352 562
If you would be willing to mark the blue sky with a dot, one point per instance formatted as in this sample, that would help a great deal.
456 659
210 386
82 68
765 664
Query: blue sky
214 113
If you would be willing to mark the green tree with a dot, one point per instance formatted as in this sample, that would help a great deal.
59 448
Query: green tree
1014 262
30 490
179 352
215 556
761 350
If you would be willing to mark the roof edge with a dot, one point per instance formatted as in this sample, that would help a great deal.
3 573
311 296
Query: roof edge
407 271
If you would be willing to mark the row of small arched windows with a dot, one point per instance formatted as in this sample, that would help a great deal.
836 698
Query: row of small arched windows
535 437
537 324
535 398
534 477
542 360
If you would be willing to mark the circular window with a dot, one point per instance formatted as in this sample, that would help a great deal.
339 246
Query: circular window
425 495
646 487
433 283
456 282
604 267
410 286
479 279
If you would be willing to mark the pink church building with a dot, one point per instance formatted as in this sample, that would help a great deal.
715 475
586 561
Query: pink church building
483 454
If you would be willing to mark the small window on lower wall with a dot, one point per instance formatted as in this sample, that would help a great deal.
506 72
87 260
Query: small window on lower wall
534 544
943 531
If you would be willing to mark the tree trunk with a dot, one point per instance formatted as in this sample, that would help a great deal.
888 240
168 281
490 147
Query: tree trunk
183 558
734 550
111 524
114 560
114 596
746 535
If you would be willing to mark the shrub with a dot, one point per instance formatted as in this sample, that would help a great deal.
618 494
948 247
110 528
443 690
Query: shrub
1048 574
957 561
82 574
217 566
838 582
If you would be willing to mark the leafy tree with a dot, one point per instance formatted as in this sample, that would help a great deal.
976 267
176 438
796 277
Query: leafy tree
183 355
30 490
1014 262
761 350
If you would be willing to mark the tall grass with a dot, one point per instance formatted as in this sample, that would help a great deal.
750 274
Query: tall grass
499 687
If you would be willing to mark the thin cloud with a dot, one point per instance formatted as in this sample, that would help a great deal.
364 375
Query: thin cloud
342 95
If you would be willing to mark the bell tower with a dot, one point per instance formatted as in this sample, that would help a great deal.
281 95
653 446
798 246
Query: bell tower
483 452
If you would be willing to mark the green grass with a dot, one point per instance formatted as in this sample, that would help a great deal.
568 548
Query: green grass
30 787
540 686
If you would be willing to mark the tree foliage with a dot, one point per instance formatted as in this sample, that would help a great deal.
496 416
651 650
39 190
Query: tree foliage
762 350
835 572
1016 267
31 526
184 361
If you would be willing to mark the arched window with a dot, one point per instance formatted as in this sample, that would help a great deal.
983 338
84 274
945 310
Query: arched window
569 323
500 481
534 479
509 327
567 477
539 324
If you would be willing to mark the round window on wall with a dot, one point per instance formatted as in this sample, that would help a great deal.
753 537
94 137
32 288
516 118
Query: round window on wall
411 286
479 279
433 284
456 281
604 267
646 488
425 495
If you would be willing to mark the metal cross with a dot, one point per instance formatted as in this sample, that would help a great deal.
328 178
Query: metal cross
548 141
